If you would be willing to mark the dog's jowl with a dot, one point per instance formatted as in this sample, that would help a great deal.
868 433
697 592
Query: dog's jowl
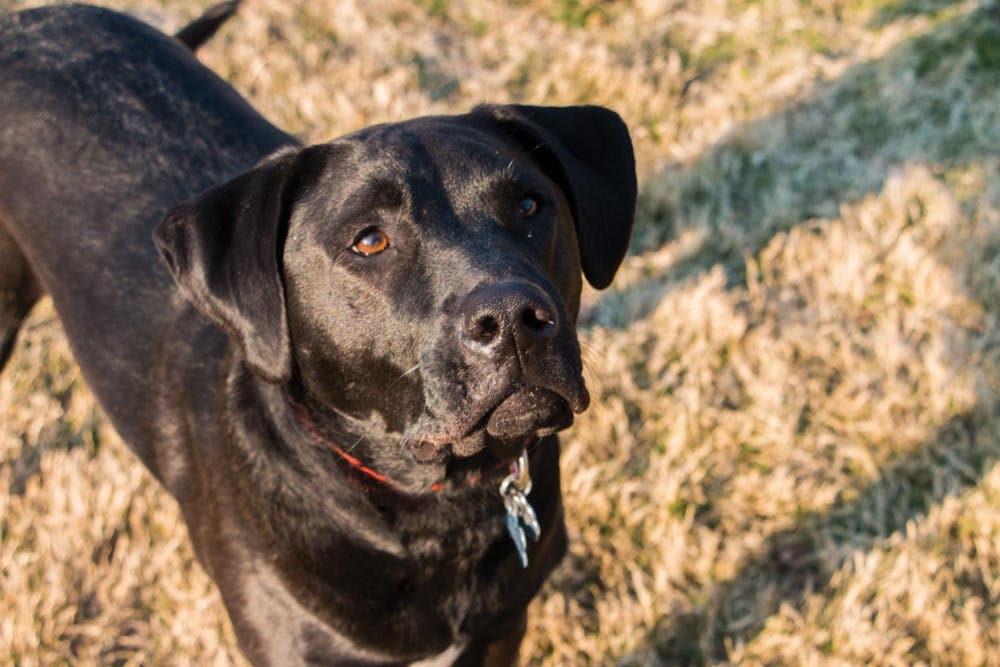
346 361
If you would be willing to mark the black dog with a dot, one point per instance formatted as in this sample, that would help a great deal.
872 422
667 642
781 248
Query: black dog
357 340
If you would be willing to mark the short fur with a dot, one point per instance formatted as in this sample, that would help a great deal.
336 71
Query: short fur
199 31
263 339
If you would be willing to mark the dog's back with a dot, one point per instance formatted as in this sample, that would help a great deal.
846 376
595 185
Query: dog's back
107 123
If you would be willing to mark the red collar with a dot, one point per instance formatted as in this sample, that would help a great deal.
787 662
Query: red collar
355 464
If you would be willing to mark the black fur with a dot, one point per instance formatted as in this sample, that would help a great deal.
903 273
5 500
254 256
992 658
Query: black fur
199 31
265 340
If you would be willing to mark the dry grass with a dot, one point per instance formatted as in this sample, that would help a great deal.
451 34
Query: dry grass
792 456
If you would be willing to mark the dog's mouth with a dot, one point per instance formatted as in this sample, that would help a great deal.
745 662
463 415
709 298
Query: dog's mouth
481 452
527 413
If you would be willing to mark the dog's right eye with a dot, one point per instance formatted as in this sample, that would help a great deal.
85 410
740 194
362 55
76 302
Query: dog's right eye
528 207
371 241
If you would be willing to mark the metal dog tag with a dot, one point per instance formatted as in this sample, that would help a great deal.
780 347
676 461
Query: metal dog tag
522 524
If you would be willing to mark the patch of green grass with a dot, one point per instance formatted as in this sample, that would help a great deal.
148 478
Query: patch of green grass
436 8
986 46
431 78
815 40
890 11
582 13
721 51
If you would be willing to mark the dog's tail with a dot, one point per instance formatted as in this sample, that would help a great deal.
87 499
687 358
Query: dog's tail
197 32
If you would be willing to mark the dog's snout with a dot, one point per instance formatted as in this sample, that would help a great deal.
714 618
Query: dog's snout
512 313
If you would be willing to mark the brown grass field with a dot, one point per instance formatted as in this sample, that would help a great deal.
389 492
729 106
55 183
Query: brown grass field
793 456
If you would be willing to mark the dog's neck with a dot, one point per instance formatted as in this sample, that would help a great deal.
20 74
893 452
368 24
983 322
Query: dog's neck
382 462
296 457
324 533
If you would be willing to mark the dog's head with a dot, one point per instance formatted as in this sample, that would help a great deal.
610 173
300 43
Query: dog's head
419 282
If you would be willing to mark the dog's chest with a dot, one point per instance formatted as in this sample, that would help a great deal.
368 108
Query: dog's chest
457 568
456 580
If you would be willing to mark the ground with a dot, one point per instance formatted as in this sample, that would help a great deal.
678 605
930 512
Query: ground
792 454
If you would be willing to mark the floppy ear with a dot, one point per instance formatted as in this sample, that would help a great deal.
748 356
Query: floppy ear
222 249
587 149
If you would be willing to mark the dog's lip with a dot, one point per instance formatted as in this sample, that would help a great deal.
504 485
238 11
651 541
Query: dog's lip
483 457
439 447
432 450
577 399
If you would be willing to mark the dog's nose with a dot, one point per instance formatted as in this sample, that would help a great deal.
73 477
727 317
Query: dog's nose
512 313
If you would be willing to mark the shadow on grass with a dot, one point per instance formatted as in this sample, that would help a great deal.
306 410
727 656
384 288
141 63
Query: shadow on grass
787 569
911 106
915 105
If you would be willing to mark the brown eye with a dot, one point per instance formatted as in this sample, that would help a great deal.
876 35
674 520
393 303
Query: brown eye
527 207
372 241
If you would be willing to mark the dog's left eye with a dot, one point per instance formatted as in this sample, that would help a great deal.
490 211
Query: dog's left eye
371 241
528 207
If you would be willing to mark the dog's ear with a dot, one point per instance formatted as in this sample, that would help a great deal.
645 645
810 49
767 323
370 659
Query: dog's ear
223 247
587 149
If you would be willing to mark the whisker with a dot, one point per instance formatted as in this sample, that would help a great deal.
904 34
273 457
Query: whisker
588 352
407 372
412 369
356 443
404 440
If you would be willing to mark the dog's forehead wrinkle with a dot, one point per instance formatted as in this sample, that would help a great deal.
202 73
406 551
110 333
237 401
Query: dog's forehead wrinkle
454 157
401 163
449 175
335 197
